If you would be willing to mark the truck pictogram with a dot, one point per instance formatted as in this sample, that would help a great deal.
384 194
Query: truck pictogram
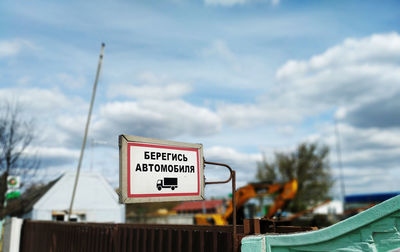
167 183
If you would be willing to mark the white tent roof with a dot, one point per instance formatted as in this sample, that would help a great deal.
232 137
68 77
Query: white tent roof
333 207
93 192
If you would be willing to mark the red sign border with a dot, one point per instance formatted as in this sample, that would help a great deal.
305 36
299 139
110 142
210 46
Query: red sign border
130 195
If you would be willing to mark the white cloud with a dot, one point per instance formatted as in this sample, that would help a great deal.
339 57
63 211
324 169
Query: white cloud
54 155
225 2
363 181
355 139
358 83
150 86
286 130
368 156
220 50
146 91
24 80
249 115
13 47
370 137
275 2
356 71
40 100
151 78
69 81
350 75
71 128
340 113
244 164
55 115
378 48
155 118
231 155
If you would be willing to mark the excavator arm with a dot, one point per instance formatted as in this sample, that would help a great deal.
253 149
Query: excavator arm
289 192
242 195
285 192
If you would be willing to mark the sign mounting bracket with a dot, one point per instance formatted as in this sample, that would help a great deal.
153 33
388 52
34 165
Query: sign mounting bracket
232 178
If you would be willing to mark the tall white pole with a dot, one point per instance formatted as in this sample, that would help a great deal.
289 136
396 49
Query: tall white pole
86 130
339 156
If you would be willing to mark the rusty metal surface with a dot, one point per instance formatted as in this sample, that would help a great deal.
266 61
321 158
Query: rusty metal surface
263 226
219 164
87 237
233 178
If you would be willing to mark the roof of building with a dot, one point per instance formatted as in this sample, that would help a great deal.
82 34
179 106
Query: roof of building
369 198
198 205
93 192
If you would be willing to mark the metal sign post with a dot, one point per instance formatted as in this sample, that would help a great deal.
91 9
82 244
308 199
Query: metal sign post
233 178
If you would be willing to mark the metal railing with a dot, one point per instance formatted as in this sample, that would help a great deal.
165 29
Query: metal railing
87 237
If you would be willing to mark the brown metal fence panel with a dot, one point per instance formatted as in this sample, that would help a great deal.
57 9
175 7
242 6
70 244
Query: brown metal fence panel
45 236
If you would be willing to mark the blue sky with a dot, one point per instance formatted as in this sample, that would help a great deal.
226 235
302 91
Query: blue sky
244 78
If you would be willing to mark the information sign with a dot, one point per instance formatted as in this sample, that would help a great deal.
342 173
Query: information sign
153 170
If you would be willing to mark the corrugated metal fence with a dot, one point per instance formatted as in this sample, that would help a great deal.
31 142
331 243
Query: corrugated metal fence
86 237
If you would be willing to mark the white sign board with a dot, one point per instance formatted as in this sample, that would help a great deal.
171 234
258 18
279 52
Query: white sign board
153 170
13 182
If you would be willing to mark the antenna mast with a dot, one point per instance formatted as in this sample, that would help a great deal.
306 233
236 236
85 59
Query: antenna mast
86 130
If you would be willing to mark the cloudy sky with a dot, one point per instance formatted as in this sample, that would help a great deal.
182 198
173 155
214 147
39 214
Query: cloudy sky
245 78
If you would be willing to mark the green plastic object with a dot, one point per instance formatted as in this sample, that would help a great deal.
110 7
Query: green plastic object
376 229
13 195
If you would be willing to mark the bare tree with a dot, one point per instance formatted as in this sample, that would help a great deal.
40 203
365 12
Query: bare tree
16 135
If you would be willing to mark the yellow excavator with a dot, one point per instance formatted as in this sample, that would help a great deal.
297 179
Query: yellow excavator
284 191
